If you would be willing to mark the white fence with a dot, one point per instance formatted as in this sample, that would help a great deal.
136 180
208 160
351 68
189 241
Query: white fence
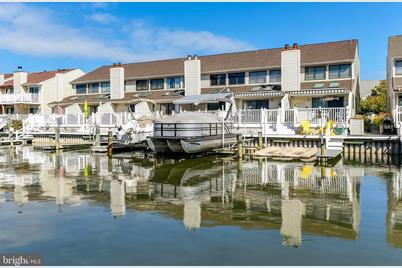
39 122
296 115
19 98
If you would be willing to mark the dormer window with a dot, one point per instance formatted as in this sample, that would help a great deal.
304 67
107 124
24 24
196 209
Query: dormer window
275 76
259 77
236 78
340 71
105 87
218 79
34 90
93 88
398 67
81 89
315 73
157 84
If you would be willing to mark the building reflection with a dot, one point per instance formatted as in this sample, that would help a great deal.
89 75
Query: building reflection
294 199
394 214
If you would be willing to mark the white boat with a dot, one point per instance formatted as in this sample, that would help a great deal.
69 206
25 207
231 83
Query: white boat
192 132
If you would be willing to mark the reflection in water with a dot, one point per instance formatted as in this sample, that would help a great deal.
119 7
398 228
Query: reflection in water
291 198
394 214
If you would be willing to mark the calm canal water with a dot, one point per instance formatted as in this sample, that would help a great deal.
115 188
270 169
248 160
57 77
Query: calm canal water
80 209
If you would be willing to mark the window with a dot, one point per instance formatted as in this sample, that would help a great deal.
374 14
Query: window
315 73
398 67
218 79
236 78
274 76
157 84
34 90
33 110
340 71
141 85
216 106
105 87
175 82
81 89
93 109
259 77
257 104
9 110
93 88
323 103
10 91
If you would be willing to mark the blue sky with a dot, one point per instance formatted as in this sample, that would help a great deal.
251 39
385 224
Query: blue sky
44 36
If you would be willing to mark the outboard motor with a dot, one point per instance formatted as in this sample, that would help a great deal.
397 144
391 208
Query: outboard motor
388 126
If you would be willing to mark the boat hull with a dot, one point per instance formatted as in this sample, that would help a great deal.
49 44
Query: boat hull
206 144
175 146
158 145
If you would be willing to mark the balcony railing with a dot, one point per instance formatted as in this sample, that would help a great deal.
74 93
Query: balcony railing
19 98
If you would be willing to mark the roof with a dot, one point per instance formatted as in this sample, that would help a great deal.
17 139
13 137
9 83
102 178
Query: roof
129 97
37 77
255 59
204 98
34 78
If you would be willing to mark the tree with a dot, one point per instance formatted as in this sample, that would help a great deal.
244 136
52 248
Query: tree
377 101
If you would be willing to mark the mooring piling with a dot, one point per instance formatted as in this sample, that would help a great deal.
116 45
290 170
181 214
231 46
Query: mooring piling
109 143
240 146
57 138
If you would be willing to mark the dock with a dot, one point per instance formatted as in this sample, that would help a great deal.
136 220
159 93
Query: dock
295 153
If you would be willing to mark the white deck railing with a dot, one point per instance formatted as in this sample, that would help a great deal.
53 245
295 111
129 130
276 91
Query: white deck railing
397 115
296 115
19 98
38 122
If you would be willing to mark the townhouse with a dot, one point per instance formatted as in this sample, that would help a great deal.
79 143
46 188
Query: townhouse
315 75
394 73
29 93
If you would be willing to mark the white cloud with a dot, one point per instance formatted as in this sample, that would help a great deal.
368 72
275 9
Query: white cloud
103 18
32 30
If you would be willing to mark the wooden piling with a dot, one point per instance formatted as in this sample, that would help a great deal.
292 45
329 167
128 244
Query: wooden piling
109 143
10 136
259 140
57 138
240 146
97 135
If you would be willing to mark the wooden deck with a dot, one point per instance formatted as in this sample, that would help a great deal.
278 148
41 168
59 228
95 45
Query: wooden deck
302 154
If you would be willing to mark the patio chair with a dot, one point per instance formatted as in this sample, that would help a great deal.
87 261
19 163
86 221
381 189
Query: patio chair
306 130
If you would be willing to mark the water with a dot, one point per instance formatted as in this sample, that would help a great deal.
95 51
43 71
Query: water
80 209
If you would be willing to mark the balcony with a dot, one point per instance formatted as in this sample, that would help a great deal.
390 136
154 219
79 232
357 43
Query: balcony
19 98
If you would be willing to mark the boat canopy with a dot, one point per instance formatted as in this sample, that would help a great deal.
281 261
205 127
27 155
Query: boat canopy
205 98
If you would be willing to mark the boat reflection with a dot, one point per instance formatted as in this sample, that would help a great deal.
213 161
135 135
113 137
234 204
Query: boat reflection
294 199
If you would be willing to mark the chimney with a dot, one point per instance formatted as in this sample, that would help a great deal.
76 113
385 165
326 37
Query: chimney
195 56
19 77
117 81
59 86
290 68
192 75
2 79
